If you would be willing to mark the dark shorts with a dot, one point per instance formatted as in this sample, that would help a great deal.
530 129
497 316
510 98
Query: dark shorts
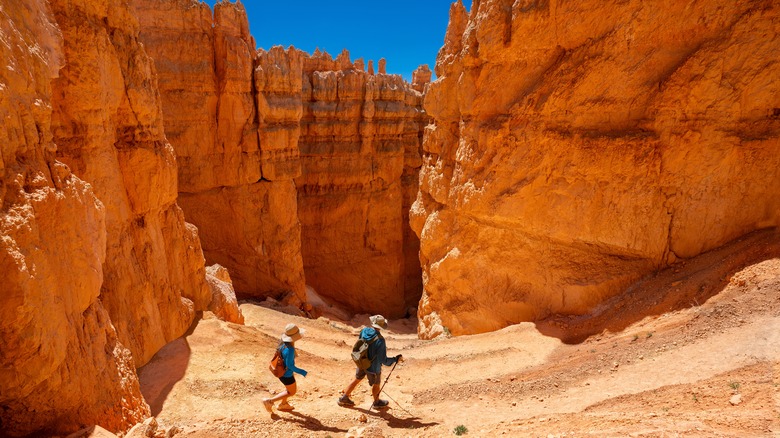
287 380
373 379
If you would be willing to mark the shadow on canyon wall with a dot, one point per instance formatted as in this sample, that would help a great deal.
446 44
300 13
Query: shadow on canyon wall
167 367
689 283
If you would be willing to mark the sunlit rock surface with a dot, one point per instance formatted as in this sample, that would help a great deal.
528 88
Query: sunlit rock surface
578 146
107 124
61 364
359 131
206 74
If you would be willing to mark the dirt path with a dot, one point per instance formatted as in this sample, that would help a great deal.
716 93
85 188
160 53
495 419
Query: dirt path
710 370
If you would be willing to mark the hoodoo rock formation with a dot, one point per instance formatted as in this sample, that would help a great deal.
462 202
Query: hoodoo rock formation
566 150
578 146
421 77
241 198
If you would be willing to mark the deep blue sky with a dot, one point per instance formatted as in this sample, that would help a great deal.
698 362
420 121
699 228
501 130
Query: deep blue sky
405 32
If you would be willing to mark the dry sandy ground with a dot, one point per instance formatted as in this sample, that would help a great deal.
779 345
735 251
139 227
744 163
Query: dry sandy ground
692 351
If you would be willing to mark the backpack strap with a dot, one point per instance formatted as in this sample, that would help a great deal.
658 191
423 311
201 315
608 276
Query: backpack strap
283 346
369 342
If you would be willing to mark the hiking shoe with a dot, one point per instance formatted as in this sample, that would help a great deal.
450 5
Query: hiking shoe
269 406
379 404
345 401
285 407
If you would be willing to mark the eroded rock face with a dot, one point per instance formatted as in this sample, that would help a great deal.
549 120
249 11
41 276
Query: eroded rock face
258 236
356 130
207 105
78 78
421 77
410 184
61 364
223 297
329 140
206 73
578 146
278 84
107 123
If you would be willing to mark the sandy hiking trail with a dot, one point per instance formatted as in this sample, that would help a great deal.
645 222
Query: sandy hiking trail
691 351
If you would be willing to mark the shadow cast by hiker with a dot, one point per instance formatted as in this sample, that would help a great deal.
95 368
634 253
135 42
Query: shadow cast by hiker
309 423
395 422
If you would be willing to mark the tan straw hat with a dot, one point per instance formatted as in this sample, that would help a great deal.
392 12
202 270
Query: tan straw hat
292 333
378 321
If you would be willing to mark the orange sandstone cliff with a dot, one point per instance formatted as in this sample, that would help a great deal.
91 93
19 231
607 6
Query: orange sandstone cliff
359 132
100 269
296 169
356 138
62 365
235 178
578 146
574 148
107 124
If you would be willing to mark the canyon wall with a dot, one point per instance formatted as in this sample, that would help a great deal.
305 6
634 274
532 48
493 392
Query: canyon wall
100 269
358 131
235 179
578 146
61 363
291 165
410 182
107 124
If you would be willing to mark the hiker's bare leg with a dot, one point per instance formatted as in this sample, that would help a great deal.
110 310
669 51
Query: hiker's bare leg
351 387
289 391
375 389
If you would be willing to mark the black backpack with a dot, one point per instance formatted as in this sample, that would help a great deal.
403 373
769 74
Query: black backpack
360 353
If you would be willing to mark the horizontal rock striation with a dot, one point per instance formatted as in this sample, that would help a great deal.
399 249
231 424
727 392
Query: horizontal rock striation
356 132
578 146
313 150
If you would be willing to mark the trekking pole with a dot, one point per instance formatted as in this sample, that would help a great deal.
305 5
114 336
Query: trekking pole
383 385
388 377
399 404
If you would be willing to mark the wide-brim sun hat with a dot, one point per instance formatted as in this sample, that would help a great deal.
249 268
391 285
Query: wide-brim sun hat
292 333
378 322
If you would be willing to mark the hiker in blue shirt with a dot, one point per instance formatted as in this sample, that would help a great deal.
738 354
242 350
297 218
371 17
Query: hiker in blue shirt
291 334
377 353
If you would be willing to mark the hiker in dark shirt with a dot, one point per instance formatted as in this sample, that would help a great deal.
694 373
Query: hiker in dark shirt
287 346
377 353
